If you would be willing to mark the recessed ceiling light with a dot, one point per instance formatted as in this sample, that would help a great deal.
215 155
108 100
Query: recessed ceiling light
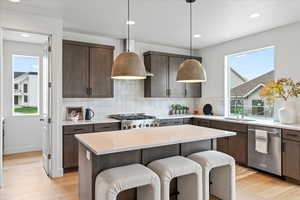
130 22
26 35
254 15
15 1
197 36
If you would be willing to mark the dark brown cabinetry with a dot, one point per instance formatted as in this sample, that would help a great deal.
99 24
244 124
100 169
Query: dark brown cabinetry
70 143
87 70
170 122
236 146
291 154
164 66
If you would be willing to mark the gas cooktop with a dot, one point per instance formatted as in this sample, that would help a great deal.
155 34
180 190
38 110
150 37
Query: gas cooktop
133 116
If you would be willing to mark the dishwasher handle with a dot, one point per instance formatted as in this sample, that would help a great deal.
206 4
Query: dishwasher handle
273 132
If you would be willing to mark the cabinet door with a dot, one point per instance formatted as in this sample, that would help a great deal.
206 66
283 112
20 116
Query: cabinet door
193 90
238 147
175 89
70 151
75 71
157 85
101 84
291 159
222 145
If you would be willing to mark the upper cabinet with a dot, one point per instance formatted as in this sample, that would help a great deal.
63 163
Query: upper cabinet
87 70
164 66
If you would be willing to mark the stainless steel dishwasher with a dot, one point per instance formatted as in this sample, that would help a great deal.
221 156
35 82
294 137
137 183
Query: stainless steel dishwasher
270 159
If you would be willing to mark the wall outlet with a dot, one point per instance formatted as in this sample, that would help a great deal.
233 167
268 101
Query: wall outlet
88 155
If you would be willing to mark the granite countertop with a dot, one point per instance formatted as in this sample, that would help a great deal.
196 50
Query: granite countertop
134 139
268 123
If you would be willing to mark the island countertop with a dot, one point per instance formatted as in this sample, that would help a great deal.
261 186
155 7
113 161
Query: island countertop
134 139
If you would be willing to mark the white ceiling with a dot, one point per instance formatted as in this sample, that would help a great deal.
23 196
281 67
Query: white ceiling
166 21
18 36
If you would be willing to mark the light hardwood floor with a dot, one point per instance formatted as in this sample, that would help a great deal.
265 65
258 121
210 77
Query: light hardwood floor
26 180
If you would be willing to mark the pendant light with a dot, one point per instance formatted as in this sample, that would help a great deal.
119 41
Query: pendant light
128 65
191 70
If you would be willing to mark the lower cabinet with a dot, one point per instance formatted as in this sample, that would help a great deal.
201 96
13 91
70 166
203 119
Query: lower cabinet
291 159
236 146
70 153
170 122
70 143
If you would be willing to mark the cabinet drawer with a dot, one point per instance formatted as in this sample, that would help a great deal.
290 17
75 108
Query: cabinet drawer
170 122
229 126
187 121
107 127
204 122
76 129
291 135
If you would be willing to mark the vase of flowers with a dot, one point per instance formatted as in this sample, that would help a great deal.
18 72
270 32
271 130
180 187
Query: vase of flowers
283 89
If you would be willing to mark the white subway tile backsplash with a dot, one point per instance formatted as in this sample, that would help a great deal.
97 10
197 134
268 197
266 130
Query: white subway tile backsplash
128 98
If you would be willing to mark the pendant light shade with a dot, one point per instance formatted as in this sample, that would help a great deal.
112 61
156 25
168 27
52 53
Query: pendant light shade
191 71
128 66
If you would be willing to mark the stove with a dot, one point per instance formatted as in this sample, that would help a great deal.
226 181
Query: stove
136 120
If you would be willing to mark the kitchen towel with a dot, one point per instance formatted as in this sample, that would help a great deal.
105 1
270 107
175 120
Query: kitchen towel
261 141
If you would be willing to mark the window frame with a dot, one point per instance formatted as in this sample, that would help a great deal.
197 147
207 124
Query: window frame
227 78
12 85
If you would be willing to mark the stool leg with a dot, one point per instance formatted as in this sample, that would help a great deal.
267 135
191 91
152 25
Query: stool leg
149 192
104 191
165 189
190 187
222 183
205 182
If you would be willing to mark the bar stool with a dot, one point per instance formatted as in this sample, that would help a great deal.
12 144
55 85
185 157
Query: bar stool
111 182
189 175
219 171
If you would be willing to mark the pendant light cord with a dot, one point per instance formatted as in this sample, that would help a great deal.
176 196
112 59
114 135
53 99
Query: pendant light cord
191 30
128 27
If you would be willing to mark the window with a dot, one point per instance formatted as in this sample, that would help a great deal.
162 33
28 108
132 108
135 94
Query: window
25 99
25 88
247 73
25 81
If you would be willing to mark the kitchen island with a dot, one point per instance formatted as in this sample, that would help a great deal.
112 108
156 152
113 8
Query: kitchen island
100 151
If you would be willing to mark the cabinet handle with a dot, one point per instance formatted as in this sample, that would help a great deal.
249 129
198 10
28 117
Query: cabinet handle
291 135
283 147
78 129
169 92
88 91
185 92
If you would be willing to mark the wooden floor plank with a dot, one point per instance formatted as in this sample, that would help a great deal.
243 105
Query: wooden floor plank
25 179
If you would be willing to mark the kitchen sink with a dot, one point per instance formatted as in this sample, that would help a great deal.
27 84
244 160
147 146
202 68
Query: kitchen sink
240 119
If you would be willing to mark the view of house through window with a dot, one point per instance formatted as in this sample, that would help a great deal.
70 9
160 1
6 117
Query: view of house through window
247 74
25 85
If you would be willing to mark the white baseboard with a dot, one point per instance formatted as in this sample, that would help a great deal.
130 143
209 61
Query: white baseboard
13 150
56 173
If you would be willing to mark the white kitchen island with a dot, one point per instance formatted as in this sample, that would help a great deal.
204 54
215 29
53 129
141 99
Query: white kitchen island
100 151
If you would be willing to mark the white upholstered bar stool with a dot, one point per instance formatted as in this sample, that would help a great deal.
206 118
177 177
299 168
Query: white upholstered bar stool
188 172
218 174
111 182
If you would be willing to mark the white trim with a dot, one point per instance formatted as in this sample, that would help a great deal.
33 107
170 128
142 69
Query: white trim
1 107
227 75
46 26
254 89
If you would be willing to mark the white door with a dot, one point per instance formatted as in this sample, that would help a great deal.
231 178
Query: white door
45 117
1 107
